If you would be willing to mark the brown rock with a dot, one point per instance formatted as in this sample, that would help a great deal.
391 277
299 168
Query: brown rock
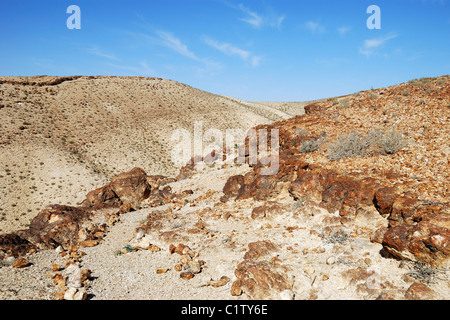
427 240
259 250
419 291
14 245
55 226
128 187
233 185
131 187
219 283
403 210
313 108
262 279
186 275
236 289
384 200
20 263
161 271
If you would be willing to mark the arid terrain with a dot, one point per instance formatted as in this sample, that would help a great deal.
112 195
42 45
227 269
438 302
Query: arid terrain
62 137
91 206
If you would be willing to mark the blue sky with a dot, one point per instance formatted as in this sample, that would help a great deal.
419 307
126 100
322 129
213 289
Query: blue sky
273 50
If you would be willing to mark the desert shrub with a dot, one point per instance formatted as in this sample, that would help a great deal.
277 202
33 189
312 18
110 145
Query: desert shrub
349 145
344 104
302 132
391 141
310 145
338 236
375 142
424 271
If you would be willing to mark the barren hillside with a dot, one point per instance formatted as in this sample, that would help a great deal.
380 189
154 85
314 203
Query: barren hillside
357 209
62 136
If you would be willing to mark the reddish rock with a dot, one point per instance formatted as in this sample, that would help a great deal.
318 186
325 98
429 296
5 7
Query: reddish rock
313 108
403 210
427 240
384 200
259 249
56 226
14 245
127 187
186 275
419 291
20 263
261 280
233 185
131 187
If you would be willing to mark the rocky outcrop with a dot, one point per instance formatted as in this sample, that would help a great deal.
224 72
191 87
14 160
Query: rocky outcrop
55 226
260 276
14 245
127 187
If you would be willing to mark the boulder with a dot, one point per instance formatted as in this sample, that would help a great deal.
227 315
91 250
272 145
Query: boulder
14 245
131 187
55 226
261 279
427 240
128 187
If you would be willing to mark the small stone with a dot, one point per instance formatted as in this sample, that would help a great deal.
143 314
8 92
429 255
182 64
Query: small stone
161 271
178 267
331 260
325 277
219 283
195 267
56 267
59 295
70 293
85 274
186 275
368 261
185 260
59 280
236 289
419 291
20 263
80 295
309 270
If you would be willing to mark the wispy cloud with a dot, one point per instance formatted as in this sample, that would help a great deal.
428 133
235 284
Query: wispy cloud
343 30
227 48
371 45
169 40
314 27
256 19
96 51
232 50
252 17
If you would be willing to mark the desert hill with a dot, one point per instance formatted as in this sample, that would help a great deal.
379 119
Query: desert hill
358 209
62 136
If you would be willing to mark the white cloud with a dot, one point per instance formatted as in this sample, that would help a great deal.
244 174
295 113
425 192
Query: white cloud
256 19
370 45
314 27
96 51
169 40
227 48
252 18
232 50
343 30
